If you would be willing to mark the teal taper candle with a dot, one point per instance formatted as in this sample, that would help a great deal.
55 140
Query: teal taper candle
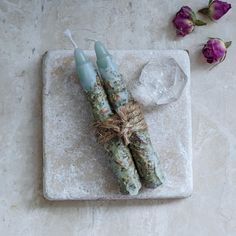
109 72
144 155
120 156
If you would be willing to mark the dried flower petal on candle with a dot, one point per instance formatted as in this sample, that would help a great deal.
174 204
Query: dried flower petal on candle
215 50
185 21
216 9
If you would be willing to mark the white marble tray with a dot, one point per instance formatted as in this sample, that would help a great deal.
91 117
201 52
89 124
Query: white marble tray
75 166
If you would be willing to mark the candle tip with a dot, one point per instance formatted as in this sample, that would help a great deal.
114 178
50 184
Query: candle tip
100 50
68 34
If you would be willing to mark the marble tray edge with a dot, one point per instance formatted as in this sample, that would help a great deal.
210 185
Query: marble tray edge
52 197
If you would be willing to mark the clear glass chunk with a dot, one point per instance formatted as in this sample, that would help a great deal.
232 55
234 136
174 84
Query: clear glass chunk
161 82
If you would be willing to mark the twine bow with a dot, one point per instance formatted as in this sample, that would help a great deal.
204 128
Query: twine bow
127 120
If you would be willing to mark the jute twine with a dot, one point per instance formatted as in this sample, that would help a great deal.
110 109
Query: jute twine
128 119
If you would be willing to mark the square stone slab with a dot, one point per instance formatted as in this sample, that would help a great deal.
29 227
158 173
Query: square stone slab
75 167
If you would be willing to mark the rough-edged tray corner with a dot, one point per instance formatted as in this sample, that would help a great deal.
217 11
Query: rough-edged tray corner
75 167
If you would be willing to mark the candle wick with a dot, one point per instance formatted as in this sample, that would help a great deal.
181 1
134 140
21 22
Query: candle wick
68 34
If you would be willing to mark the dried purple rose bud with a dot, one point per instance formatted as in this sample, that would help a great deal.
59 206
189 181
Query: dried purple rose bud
216 9
185 21
215 50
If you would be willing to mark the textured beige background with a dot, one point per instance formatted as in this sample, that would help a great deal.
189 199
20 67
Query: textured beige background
28 29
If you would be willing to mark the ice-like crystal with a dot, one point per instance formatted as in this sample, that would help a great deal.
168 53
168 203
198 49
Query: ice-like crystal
161 82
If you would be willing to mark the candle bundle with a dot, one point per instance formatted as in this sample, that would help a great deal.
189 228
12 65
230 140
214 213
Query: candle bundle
124 130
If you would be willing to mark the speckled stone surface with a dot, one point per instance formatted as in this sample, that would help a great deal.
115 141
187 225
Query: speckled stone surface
28 29
75 166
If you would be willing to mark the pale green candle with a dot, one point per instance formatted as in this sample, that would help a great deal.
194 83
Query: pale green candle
120 156
144 155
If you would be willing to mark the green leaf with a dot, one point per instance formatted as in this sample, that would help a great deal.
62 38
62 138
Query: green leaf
215 65
222 59
204 11
228 44
193 16
214 38
210 1
199 22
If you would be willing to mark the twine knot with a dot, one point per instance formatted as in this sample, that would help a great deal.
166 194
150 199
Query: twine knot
127 120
